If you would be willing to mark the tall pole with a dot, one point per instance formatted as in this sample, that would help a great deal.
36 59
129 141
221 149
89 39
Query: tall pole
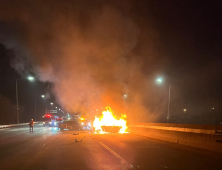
17 108
46 108
35 109
168 114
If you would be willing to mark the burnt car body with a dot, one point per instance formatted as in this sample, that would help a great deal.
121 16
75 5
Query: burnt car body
111 129
71 125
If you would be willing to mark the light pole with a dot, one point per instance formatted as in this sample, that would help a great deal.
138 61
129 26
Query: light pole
16 91
168 114
35 109
159 81
17 108
43 96
52 105
125 103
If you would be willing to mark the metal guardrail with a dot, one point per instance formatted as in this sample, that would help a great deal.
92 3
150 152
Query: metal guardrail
14 125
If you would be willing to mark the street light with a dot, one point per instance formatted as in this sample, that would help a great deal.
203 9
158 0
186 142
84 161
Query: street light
30 78
125 96
51 103
44 97
159 80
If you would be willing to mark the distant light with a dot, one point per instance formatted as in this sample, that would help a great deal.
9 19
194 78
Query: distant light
89 124
56 107
59 109
68 117
31 78
184 110
159 80
82 118
51 103
212 108
82 123
43 96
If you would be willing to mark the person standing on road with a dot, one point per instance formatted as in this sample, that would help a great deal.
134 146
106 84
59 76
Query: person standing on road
31 124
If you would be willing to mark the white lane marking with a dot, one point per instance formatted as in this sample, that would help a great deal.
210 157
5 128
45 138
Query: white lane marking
116 155
33 156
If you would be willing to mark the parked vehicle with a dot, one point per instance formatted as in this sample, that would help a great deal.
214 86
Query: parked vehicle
70 125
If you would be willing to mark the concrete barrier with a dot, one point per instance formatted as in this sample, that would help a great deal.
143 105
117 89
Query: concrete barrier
14 125
201 136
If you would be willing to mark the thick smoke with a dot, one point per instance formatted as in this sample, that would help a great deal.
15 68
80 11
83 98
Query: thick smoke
86 51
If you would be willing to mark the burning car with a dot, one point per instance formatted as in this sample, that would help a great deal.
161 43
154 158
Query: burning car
109 123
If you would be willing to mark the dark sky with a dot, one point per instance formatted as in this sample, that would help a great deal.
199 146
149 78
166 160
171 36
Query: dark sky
72 43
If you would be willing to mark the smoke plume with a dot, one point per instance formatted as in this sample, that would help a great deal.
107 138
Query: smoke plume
84 50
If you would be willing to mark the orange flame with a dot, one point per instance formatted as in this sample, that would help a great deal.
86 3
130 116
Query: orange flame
108 119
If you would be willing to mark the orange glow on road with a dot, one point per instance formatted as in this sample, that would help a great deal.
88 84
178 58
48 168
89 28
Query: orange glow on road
108 119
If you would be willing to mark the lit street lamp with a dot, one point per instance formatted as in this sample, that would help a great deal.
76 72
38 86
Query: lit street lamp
44 97
125 96
31 78
16 90
52 105
159 81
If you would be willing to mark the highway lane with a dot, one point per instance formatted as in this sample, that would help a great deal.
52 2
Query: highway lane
48 148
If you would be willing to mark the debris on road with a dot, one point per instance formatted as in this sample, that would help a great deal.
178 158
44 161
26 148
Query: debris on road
78 140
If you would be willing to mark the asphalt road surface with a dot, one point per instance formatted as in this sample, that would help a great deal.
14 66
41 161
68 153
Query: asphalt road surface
49 149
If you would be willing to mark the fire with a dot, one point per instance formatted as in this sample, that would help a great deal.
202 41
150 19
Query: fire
108 119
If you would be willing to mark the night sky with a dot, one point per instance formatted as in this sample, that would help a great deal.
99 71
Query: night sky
87 54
